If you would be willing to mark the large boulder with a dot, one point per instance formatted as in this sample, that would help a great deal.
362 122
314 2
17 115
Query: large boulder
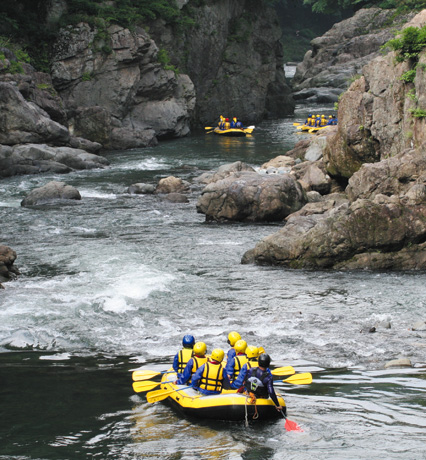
251 197
7 269
365 234
40 158
25 122
51 192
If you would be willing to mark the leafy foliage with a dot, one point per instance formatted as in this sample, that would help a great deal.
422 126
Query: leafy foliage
408 44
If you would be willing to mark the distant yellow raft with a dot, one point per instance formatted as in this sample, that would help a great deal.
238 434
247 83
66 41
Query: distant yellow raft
229 405
234 132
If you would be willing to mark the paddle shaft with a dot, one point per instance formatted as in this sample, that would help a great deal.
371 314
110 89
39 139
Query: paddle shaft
159 395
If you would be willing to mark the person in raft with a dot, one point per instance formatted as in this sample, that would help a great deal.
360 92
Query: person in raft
235 364
259 381
233 338
210 377
199 358
183 356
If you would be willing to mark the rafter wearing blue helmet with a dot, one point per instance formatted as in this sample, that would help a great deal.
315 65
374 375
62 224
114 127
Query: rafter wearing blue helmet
184 355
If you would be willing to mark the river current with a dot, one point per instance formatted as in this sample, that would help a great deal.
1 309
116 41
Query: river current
111 283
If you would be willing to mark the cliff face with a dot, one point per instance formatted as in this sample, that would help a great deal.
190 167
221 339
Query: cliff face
234 58
379 149
341 53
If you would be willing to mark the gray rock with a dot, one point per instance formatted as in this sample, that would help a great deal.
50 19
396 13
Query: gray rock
172 184
400 362
52 191
419 326
38 158
141 189
176 197
248 196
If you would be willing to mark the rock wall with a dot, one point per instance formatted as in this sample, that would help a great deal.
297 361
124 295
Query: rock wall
235 59
379 149
341 53
115 91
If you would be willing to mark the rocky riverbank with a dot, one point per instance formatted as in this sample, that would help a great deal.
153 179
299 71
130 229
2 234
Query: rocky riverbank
337 57
376 156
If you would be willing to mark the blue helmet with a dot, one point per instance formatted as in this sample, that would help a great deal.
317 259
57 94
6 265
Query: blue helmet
188 341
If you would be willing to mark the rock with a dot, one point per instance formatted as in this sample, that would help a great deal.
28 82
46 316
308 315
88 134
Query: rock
52 191
141 189
361 235
235 63
251 197
339 55
281 161
315 150
403 174
172 185
314 197
24 122
224 171
122 99
315 179
419 326
7 270
176 197
38 158
401 362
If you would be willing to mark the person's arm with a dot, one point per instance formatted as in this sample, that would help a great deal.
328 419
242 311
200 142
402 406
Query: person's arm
176 362
239 381
197 376
271 391
187 372
229 369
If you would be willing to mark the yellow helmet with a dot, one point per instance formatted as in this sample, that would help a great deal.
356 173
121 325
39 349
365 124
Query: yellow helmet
233 338
252 351
200 349
218 355
261 350
240 346
330 116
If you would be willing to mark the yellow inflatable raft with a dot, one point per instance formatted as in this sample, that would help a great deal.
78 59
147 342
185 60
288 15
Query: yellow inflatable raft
234 132
229 405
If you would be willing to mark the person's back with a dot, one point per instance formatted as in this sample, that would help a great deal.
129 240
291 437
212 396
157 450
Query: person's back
197 360
252 353
209 378
184 355
236 363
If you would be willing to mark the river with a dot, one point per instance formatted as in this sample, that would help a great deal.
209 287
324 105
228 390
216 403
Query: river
112 283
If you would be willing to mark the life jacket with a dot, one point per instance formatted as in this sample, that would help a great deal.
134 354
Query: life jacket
252 363
184 356
227 125
212 377
239 362
255 384
198 362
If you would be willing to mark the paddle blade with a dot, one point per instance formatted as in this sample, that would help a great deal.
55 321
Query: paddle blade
159 395
296 124
144 386
144 375
292 426
288 370
208 127
300 379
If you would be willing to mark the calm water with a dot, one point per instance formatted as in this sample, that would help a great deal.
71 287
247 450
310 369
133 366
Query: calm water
113 282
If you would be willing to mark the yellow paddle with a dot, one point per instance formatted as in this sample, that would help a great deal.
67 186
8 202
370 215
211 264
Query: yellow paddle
209 127
283 371
146 375
296 124
159 395
299 379
146 386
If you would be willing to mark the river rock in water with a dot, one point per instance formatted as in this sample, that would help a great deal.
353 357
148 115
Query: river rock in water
7 269
52 191
38 158
251 197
